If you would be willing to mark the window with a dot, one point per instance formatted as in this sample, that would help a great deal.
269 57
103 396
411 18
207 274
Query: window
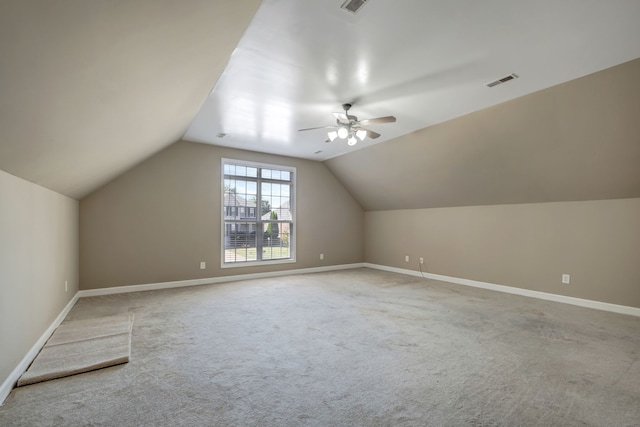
258 213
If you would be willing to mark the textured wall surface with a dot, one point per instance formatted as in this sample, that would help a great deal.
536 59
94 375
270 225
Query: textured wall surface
38 253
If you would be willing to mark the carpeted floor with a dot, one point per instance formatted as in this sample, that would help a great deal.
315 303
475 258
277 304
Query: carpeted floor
354 347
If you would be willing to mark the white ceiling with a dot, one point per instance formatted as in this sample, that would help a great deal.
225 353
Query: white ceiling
423 61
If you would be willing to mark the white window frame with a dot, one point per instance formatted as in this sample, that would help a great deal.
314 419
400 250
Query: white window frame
292 203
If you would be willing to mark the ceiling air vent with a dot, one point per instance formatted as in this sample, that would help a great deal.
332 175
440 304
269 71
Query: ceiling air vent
502 80
353 6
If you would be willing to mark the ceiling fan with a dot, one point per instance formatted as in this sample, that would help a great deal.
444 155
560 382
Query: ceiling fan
350 128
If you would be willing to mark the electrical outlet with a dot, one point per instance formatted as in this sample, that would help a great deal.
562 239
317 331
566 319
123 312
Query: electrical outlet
66 286
406 258
566 278
321 256
421 260
203 265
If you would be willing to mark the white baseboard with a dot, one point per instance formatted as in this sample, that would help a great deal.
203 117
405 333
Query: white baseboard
14 376
622 309
212 280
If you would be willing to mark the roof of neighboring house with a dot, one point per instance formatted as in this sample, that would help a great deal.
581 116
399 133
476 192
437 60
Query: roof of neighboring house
232 199
283 212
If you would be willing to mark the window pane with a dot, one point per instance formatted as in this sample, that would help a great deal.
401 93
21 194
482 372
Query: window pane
276 174
256 214
276 240
240 170
266 189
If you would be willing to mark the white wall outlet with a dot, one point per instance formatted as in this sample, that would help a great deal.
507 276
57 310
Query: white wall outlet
566 278
203 265
406 258
321 256
66 286
421 260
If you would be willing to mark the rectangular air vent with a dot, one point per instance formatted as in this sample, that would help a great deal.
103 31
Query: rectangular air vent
353 6
502 80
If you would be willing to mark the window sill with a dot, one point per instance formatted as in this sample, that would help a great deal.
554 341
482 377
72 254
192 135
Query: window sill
258 263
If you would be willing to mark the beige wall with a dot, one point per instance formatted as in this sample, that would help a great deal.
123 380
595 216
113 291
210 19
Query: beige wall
527 246
38 252
156 222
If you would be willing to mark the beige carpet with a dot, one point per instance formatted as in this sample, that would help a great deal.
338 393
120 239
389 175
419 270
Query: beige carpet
348 348
82 346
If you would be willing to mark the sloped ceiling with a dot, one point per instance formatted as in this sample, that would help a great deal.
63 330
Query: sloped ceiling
90 88
423 61
576 141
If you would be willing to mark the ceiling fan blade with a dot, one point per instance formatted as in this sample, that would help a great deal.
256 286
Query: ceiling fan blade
341 117
387 119
371 134
319 127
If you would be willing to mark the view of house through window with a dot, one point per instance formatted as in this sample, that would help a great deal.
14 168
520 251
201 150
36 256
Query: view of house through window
257 212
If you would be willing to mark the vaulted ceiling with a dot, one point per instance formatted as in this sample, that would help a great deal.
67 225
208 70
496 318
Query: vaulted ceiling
422 61
576 141
90 89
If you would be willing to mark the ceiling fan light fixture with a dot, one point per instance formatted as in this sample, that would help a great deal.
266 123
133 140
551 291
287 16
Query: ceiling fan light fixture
348 127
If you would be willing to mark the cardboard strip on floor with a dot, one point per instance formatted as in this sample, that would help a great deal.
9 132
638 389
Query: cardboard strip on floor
82 346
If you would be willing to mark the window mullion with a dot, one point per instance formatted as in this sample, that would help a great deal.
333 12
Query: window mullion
259 239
